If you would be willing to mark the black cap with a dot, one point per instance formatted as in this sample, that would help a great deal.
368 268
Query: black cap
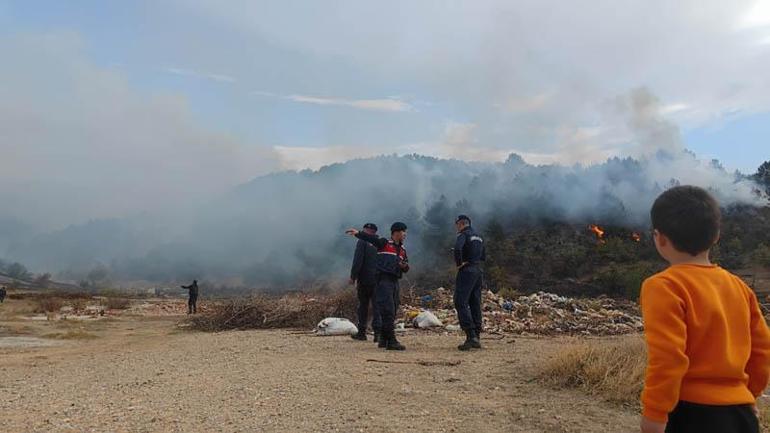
371 226
397 227
462 218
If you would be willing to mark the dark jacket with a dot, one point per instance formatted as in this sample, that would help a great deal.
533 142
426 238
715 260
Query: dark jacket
469 248
193 288
364 269
391 257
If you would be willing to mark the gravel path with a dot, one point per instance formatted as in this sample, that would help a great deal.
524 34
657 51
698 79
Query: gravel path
144 375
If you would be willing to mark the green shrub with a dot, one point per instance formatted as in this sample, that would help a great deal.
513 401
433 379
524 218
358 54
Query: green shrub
624 280
761 255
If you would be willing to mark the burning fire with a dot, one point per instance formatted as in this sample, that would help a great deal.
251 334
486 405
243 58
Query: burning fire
636 237
598 231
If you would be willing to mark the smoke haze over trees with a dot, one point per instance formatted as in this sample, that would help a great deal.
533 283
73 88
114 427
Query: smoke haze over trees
285 229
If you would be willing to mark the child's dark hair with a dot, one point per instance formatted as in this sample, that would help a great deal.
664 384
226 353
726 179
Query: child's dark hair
689 216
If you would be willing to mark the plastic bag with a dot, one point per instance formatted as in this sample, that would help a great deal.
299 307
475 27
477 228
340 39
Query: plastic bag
336 326
426 319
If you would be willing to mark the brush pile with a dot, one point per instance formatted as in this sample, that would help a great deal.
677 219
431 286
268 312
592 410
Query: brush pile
297 311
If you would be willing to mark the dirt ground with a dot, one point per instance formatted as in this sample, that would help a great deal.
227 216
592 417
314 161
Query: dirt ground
136 373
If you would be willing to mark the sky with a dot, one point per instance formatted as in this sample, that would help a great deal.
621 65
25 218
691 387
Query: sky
115 108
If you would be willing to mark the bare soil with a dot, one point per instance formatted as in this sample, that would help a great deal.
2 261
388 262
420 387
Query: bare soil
140 373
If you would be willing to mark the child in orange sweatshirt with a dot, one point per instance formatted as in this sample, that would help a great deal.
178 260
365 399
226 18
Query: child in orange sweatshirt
707 341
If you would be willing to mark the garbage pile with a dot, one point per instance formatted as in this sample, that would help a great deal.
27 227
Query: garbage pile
539 313
174 307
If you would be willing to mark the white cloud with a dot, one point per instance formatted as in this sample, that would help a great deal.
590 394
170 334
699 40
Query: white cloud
191 73
673 108
364 104
385 104
758 15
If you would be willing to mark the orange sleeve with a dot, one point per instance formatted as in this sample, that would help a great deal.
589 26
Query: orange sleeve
663 311
758 367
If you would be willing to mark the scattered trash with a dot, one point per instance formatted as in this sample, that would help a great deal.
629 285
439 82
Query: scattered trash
544 314
426 301
336 326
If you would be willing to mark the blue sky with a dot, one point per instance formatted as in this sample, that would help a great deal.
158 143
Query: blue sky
241 88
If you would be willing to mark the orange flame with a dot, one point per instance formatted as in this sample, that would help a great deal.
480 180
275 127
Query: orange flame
597 231
636 237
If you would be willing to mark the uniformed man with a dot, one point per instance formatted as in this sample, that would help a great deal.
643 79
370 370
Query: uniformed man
363 274
392 263
192 301
3 292
469 254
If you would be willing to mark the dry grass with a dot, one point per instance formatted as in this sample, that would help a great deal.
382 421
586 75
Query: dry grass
73 334
48 305
263 312
613 370
116 303
49 294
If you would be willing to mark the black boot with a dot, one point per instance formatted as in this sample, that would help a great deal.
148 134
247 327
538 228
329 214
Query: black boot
476 340
360 336
382 341
377 337
393 344
471 341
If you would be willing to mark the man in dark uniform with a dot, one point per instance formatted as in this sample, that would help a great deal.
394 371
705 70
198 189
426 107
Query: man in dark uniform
363 273
3 292
469 254
192 301
392 263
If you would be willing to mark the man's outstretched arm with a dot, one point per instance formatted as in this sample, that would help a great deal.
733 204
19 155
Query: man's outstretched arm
372 239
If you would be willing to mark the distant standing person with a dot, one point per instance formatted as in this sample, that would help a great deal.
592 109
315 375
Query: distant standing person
392 263
469 255
3 292
363 274
192 301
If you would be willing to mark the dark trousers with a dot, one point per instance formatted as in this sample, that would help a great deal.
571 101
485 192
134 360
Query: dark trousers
365 300
700 418
388 300
467 297
192 304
